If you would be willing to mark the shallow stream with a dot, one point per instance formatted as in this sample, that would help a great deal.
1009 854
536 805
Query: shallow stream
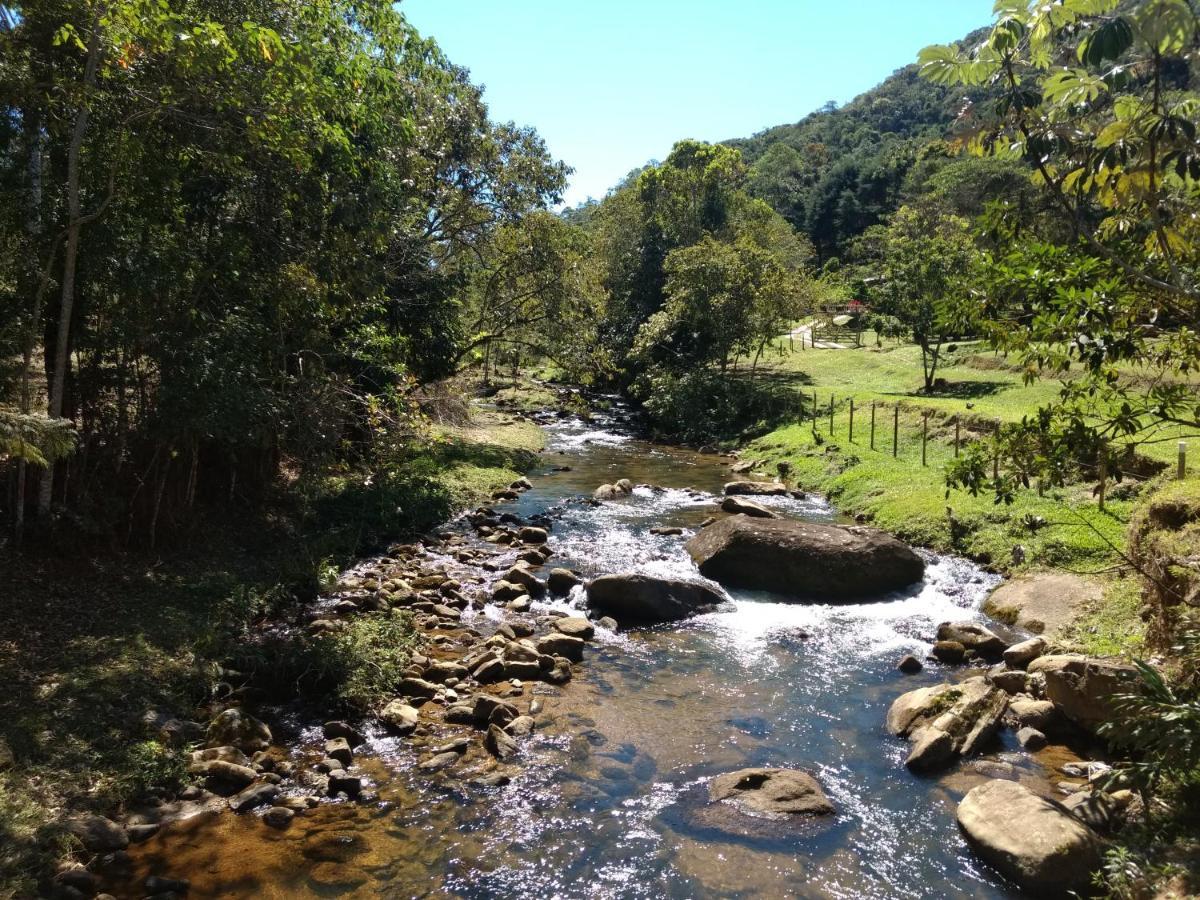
608 801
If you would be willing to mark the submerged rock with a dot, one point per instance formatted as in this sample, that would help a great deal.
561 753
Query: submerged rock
801 559
771 792
632 598
1031 840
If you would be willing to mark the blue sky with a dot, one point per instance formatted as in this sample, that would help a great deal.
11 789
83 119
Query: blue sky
611 84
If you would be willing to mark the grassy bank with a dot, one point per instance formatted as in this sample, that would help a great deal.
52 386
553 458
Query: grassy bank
905 493
96 653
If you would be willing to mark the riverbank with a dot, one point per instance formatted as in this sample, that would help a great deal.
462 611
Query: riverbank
99 651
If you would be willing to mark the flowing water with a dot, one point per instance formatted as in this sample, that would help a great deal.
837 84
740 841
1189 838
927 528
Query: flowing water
610 798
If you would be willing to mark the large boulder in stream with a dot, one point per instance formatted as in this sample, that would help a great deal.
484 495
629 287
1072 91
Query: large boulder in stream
1030 839
802 559
946 721
771 792
635 599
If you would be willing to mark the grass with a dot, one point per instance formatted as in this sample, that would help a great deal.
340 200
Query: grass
88 646
1063 530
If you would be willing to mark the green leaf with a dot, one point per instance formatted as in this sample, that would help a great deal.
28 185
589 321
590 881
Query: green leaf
1108 41
1071 87
1166 26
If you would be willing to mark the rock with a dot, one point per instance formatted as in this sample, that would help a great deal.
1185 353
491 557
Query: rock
1031 840
1096 809
1083 689
418 687
499 743
224 754
97 834
666 530
505 591
531 584
909 664
561 581
279 816
489 671
1025 712
238 729
489 709
139 833
344 730
946 721
350 785
156 884
563 645
771 792
755 489
1009 681
237 777
643 599
399 717
532 535
949 652
255 795
793 558
1018 656
1045 603
1031 739
75 876
972 636
738 506
339 749
741 468
520 726
623 488
443 671
575 626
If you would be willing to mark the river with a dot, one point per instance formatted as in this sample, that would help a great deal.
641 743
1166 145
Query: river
609 797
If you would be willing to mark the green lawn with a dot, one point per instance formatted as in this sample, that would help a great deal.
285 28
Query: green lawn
906 494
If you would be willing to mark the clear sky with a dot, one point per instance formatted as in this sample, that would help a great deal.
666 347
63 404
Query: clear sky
612 84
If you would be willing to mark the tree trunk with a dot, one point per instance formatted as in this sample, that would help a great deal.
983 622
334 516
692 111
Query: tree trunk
58 382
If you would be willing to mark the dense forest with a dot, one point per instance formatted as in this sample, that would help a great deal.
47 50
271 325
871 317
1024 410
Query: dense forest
256 258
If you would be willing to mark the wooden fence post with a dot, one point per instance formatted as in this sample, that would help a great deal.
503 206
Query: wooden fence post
896 430
831 415
1182 460
956 437
872 424
924 435
996 456
852 420
1103 473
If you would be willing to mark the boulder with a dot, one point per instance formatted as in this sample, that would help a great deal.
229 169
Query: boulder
500 743
946 721
235 728
1018 656
1045 603
972 636
575 626
1029 839
563 645
561 581
279 816
738 506
632 598
399 717
1026 712
775 793
756 489
949 652
1031 739
622 488
793 558
1083 689
531 534
666 531
909 664
97 834
231 774
253 796
521 576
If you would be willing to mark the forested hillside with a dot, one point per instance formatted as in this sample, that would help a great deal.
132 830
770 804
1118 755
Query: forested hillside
840 170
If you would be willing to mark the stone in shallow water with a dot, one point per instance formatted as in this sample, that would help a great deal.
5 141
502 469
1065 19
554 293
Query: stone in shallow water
771 792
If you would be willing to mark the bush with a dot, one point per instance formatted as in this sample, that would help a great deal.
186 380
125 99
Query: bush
706 405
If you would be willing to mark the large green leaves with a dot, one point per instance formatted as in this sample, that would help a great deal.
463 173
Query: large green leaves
1166 26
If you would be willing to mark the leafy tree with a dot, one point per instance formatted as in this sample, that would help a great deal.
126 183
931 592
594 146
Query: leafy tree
1096 97
927 258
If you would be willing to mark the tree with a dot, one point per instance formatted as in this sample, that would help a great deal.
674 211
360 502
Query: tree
1096 97
927 258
